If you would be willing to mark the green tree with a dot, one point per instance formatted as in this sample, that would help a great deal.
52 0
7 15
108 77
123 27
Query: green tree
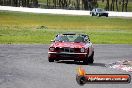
107 5
112 5
117 5
126 4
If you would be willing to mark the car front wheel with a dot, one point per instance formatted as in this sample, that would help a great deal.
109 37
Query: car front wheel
98 15
50 60
92 14
89 59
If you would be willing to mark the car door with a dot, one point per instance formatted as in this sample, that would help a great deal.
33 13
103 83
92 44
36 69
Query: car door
93 12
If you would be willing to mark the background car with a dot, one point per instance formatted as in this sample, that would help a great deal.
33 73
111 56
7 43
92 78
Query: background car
71 46
98 12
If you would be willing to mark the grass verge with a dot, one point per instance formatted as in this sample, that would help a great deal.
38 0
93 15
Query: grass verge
28 28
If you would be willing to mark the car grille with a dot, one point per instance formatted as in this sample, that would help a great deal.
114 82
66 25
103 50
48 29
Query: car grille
67 55
69 50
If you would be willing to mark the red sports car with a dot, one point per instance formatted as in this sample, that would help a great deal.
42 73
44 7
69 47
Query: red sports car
71 46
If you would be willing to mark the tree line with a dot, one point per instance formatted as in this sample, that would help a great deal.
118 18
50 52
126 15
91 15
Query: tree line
18 3
110 5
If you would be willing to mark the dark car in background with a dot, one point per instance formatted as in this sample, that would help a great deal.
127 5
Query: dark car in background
71 46
98 12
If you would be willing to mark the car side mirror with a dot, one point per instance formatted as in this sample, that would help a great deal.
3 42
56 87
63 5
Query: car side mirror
86 39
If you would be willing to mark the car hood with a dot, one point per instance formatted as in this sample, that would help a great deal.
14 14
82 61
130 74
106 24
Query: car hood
68 44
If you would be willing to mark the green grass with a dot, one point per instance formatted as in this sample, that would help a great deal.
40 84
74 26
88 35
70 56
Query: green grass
28 28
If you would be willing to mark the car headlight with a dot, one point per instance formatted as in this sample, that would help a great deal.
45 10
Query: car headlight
52 49
82 49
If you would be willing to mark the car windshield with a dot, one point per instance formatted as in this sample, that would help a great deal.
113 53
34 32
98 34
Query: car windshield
100 10
70 38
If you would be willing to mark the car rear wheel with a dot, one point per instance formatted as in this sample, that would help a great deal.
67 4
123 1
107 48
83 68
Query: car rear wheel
107 15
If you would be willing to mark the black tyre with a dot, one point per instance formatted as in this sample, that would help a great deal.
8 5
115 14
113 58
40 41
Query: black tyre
89 59
107 15
50 60
92 14
56 59
85 62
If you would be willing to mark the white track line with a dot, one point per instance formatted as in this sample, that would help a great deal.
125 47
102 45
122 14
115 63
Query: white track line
61 11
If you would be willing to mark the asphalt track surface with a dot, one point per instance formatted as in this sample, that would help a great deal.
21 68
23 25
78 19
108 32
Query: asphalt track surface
27 66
